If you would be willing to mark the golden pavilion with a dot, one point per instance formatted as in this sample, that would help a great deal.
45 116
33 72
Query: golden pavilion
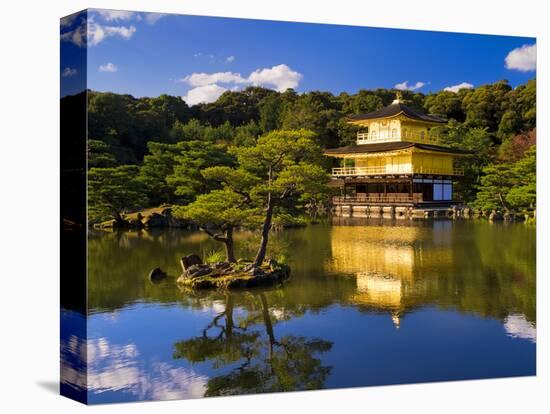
397 161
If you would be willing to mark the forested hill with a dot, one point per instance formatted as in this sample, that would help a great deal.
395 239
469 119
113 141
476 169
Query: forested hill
126 123
166 142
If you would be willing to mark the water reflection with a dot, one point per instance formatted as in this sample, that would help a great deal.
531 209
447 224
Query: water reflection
461 293
406 267
103 367
517 326
259 360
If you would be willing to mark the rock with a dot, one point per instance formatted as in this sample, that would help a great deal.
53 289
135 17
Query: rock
198 270
274 265
191 260
155 220
135 223
256 271
495 215
157 274
509 215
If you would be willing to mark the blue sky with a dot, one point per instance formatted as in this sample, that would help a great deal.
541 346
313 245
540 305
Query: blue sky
198 58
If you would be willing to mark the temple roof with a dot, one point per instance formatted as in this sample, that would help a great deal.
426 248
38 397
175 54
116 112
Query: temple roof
390 146
395 109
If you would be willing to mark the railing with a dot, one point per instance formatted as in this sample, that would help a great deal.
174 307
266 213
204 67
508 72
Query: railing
379 198
373 137
392 170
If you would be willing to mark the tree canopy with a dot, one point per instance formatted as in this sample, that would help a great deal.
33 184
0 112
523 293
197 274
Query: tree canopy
172 144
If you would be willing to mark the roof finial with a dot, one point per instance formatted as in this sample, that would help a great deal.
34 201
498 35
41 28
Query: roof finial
398 97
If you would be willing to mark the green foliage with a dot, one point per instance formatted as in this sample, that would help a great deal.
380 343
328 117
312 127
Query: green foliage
157 166
485 106
214 256
192 157
113 191
99 154
363 102
127 123
219 208
477 140
173 144
317 112
509 185
446 104
270 113
281 166
235 107
495 184
524 193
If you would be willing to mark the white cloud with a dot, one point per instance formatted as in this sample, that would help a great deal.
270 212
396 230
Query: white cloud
280 76
68 72
203 94
204 55
109 67
69 20
456 88
230 59
404 86
97 32
202 79
206 86
116 15
77 36
152 18
522 58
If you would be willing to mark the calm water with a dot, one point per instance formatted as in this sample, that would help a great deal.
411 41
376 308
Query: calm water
371 303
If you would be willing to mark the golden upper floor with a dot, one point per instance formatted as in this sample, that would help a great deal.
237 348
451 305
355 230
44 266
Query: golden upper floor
396 122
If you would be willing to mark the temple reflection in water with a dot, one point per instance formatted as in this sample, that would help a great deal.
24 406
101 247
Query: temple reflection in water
386 262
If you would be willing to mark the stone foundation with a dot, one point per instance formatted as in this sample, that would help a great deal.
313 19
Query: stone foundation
399 212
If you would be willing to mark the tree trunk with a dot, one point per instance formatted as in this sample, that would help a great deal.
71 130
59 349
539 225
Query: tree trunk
229 247
268 324
502 201
260 256
118 217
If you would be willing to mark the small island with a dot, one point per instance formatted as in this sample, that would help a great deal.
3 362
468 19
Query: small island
226 275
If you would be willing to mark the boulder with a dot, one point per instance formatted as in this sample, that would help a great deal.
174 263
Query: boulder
157 274
198 270
221 265
191 260
256 271
155 220
135 223
495 215
509 215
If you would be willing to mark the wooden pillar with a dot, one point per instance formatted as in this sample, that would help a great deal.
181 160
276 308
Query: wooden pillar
411 188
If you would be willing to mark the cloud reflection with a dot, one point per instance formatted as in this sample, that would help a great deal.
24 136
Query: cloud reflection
517 326
115 367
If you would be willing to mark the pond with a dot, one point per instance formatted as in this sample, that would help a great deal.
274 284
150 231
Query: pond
368 303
